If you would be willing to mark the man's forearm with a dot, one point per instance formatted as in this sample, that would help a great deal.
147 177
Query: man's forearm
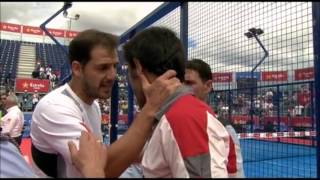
126 150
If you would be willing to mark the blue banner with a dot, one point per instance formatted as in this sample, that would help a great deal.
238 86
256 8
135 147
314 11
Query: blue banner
240 75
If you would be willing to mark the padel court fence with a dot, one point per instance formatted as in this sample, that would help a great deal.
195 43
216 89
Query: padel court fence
264 58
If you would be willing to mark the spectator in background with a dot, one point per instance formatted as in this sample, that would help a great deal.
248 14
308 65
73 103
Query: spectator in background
199 76
35 99
38 65
125 107
48 71
269 94
12 123
3 110
25 100
52 78
8 80
42 72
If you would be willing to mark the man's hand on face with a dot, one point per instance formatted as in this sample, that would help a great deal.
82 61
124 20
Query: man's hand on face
91 158
160 89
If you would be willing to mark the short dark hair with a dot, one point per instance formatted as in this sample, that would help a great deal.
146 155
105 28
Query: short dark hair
82 45
158 49
201 67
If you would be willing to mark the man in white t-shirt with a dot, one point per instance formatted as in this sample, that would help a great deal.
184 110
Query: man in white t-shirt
61 116
12 122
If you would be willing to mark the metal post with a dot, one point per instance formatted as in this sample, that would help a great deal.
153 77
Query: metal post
312 110
278 107
229 105
70 21
316 50
130 92
252 103
253 32
184 27
130 105
114 112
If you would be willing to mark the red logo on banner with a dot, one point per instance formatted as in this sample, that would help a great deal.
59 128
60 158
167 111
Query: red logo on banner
56 32
31 85
222 77
10 27
32 30
275 76
303 74
72 34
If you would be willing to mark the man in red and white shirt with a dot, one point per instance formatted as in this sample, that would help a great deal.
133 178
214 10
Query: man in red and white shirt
188 140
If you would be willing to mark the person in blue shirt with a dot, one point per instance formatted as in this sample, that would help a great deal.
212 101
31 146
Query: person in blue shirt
12 163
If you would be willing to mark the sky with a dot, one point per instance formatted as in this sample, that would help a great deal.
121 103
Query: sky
113 17
215 29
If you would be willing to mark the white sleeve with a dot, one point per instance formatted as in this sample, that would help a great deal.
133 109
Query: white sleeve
12 122
218 146
56 125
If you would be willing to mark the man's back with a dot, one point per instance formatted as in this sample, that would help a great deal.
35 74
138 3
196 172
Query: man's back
187 142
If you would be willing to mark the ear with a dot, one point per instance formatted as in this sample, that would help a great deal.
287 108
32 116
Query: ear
76 68
209 86
139 69
137 65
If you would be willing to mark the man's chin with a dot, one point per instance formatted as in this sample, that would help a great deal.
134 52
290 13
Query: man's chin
105 95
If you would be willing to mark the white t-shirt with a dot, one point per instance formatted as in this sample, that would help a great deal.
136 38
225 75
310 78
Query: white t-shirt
59 117
12 122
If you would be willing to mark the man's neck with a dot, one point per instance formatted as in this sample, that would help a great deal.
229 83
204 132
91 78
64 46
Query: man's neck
76 88
10 106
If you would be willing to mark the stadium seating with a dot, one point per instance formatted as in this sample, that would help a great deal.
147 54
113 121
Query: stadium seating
9 55
51 54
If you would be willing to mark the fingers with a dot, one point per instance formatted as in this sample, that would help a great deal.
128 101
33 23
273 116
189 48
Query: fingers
73 150
168 74
144 81
85 136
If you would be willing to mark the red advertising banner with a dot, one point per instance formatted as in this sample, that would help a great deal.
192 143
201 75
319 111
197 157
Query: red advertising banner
303 74
32 85
10 27
222 77
36 30
71 34
294 121
275 76
56 32
32 30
